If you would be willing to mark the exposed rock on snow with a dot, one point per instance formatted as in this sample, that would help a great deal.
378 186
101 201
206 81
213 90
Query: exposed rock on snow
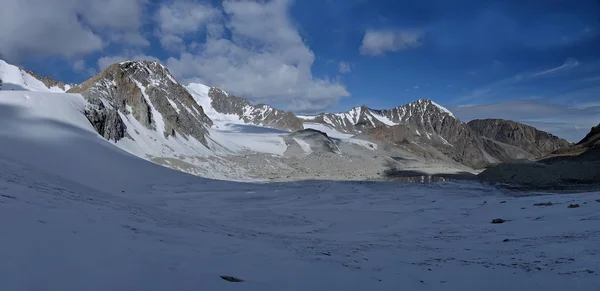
147 90
261 114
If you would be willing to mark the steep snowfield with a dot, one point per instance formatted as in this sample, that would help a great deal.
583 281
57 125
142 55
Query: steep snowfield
200 94
14 78
78 213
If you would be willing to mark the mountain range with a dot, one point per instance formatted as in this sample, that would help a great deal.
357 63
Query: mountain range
144 110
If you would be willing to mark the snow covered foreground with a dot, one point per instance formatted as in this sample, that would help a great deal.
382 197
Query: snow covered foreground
78 213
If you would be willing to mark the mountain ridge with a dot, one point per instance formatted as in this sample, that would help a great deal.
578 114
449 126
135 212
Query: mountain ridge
141 103
538 143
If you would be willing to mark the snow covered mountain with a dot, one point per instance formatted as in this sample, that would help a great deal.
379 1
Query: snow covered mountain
432 126
142 93
419 114
235 109
139 106
15 78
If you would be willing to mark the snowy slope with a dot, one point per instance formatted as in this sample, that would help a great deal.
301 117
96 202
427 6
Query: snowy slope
200 94
328 130
80 214
14 78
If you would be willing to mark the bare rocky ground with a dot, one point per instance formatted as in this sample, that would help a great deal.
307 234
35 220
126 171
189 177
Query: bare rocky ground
350 162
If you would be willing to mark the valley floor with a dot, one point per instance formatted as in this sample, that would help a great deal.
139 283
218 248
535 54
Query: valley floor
61 235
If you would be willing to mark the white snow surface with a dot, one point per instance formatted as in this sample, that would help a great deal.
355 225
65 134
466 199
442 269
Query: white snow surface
200 93
304 145
444 109
78 213
307 117
14 78
383 119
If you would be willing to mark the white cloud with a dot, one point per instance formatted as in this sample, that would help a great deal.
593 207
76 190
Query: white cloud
264 59
79 65
507 83
67 27
105 62
569 64
344 67
378 42
178 18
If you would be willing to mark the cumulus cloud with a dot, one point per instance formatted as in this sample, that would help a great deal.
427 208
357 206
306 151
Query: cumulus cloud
264 58
67 27
344 67
179 18
571 122
79 65
378 42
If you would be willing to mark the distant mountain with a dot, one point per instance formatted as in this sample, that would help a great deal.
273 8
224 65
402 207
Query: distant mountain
261 114
356 120
147 92
430 124
15 78
536 142
573 166
50 83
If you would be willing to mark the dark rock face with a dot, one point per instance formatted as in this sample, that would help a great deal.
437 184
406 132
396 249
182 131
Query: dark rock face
145 89
107 122
261 114
592 138
536 142
319 141
397 134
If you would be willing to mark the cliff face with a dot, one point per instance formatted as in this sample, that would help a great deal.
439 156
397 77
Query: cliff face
146 90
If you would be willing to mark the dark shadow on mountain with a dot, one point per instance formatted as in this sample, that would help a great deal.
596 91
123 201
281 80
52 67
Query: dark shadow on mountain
413 176
12 87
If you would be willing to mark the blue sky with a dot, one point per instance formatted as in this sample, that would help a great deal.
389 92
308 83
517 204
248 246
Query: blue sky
537 62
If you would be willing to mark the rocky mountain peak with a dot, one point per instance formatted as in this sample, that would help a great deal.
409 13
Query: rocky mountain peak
49 82
528 138
147 92
260 114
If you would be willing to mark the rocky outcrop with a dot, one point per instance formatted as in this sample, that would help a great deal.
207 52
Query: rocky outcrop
318 141
49 82
592 138
107 122
261 114
536 142
147 91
